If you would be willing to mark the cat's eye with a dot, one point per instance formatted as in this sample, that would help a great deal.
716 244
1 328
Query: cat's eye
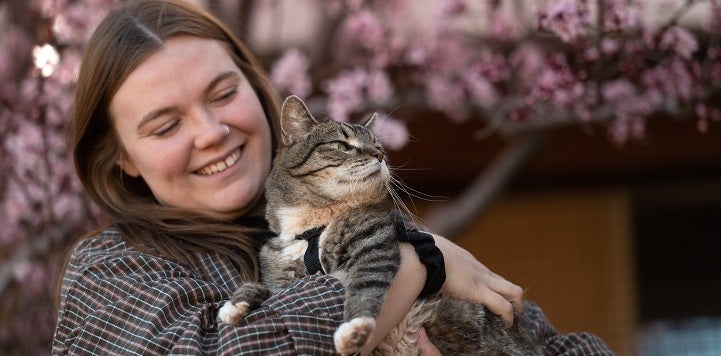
340 145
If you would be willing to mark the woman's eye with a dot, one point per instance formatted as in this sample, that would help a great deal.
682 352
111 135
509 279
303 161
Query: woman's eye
225 96
166 129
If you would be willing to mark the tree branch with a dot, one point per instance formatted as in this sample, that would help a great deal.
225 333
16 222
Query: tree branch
452 218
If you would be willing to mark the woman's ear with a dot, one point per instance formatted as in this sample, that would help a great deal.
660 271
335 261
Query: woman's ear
127 166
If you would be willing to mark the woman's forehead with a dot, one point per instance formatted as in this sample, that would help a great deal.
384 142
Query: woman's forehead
185 66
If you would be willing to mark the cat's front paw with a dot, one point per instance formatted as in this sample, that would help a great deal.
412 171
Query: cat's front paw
353 334
231 313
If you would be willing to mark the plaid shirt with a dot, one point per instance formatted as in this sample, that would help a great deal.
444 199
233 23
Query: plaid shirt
116 300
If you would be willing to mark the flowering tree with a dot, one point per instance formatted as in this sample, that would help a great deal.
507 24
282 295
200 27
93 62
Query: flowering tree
520 69
611 63
43 206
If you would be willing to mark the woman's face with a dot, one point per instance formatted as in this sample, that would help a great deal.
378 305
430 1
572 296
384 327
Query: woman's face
170 115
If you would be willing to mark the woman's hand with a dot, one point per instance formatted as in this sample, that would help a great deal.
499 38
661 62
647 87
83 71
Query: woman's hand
468 279
425 346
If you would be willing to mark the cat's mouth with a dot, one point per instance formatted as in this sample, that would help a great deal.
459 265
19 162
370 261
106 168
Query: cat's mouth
221 165
373 176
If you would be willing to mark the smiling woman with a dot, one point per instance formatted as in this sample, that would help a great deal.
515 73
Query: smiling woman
207 125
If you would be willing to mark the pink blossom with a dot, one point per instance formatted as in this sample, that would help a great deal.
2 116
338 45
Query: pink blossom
591 54
67 70
448 8
702 115
16 46
32 274
447 96
392 132
67 207
712 21
290 73
75 20
618 91
47 8
502 27
366 29
379 86
418 52
345 93
14 209
631 107
610 46
568 19
713 58
672 77
451 56
678 40
495 67
625 128
620 15
557 84
527 62
480 88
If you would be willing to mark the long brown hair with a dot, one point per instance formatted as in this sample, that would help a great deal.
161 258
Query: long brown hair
129 34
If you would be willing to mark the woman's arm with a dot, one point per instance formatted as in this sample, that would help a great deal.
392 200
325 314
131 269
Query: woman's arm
402 293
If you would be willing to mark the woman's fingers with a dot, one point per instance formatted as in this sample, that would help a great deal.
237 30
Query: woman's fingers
499 305
425 346
511 292
468 279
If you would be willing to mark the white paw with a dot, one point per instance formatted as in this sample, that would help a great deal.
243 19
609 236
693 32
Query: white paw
353 334
232 313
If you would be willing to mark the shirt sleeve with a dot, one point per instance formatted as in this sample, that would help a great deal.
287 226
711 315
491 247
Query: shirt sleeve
132 303
572 344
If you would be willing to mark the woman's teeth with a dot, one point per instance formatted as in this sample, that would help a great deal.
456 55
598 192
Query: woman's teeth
220 166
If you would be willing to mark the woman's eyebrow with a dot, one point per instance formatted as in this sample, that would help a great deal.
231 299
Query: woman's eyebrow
162 111
219 78
154 114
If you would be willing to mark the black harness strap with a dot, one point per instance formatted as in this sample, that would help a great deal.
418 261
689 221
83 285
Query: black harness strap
311 257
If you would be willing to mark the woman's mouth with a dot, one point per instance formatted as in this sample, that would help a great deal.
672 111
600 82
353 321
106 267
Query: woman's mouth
220 165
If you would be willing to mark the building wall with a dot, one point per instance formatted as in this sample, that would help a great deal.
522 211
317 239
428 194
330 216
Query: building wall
571 251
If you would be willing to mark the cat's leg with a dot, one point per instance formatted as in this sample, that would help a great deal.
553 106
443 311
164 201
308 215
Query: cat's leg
281 262
353 334
374 261
246 298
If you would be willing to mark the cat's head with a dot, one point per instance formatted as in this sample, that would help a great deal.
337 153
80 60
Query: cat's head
325 159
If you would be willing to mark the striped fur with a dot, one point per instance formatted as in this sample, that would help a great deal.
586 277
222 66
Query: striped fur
334 175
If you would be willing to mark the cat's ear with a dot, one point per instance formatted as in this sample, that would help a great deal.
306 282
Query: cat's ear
372 121
295 120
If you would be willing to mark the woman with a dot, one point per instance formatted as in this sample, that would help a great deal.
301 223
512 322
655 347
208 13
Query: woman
173 133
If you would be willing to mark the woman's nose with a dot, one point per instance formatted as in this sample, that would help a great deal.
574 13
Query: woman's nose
210 132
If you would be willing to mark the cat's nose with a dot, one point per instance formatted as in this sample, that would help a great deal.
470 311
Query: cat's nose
379 156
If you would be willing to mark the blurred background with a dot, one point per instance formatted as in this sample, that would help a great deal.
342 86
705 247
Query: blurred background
574 147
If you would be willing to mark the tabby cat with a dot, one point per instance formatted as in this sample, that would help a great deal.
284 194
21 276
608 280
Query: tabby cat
334 176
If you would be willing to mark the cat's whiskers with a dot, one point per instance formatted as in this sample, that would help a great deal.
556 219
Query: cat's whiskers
400 205
414 193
